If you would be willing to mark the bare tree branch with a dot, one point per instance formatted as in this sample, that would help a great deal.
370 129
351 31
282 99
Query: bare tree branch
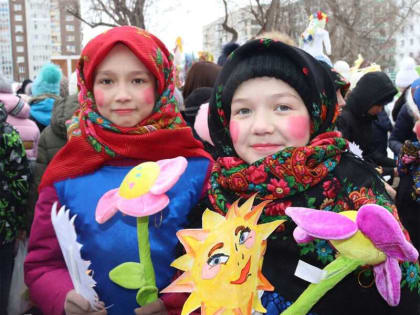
114 12
226 27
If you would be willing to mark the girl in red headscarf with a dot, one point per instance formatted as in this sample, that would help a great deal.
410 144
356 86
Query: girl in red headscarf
128 114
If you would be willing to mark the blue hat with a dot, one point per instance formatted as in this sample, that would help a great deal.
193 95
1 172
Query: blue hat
413 98
47 80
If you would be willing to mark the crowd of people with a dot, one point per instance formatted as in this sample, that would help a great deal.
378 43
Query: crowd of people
268 119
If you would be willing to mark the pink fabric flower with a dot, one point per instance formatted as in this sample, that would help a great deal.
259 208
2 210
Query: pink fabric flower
147 203
376 224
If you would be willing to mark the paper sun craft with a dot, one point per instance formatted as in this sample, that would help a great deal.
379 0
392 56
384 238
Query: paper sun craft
224 259
78 268
370 236
141 194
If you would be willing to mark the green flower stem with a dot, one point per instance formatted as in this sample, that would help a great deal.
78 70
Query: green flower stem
145 255
336 271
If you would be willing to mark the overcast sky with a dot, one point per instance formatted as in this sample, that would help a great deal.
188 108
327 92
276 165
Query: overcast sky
168 19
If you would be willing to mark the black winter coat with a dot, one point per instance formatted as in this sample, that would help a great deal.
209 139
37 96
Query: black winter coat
403 130
374 88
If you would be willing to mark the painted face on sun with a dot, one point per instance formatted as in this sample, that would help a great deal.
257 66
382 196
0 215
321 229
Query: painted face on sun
124 88
225 259
267 115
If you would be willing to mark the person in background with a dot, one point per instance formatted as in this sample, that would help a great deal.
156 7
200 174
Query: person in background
18 116
25 88
368 98
197 89
14 176
408 190
45 91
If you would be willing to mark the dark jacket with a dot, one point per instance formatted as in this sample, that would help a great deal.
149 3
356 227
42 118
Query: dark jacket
403 130
380 128
14 181
52 139
374 88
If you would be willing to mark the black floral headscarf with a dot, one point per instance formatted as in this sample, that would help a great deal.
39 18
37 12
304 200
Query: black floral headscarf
293 169
322 100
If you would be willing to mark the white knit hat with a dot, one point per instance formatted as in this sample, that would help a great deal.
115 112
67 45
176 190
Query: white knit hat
407 73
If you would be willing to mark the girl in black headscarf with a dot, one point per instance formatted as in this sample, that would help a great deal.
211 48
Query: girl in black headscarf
271 119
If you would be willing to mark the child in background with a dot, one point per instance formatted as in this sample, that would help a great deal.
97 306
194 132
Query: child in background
14 176
45 91
272 116
128 114
18 116
408 191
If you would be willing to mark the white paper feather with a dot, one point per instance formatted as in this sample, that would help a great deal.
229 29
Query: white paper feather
355 149
78 268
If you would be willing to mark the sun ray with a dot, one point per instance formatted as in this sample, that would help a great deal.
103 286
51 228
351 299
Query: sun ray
212 219
232 211
247 206
190 237
191 304
184 263
267 228
183 283
254 215
257 305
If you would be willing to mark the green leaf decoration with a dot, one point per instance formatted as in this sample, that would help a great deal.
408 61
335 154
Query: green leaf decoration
147 294
129 275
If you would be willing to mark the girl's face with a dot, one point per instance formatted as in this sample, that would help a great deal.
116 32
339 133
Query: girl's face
267 115
124 89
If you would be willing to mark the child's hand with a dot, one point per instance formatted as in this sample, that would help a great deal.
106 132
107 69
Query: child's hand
155 308
75 304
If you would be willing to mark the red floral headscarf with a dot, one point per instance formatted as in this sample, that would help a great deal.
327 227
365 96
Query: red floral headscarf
94 140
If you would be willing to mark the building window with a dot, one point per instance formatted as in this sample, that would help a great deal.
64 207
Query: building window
411 54
411 27
17 7
18 28
411 41
69 18
20 59
19 38
19 49
69 28
18 17
402 42
71 48
21 69
70 38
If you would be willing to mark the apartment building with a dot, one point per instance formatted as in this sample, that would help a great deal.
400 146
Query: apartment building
32 31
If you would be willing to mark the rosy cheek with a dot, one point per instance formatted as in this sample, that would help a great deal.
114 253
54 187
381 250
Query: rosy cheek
149 96
298 127
99 97
251 240
234 131
209 272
